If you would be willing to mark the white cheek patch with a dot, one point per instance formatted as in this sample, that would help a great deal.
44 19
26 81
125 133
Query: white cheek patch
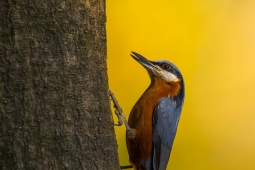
168 77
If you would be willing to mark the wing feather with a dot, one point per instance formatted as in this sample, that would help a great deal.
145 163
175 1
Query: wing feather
165 120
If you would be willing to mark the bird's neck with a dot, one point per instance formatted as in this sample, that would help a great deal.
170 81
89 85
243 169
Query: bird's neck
159 88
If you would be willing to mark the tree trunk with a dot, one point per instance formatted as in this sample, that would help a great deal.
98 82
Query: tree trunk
54 105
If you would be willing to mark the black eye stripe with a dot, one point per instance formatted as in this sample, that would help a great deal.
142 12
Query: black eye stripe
166 66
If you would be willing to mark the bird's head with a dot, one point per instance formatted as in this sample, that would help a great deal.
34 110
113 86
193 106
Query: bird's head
160 69
165 77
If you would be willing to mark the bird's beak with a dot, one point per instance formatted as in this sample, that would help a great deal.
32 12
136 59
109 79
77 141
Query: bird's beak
144 62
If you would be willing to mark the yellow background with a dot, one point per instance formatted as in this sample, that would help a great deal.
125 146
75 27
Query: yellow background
213 44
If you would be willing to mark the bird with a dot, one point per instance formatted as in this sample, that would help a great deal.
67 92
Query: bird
153 120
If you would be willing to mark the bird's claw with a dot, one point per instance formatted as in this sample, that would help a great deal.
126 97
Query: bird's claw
119 119
116 107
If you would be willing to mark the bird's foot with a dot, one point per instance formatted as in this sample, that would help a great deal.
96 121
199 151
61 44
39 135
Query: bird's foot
126 167
121 116
117 108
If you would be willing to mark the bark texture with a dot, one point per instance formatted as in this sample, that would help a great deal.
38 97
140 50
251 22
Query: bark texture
54 106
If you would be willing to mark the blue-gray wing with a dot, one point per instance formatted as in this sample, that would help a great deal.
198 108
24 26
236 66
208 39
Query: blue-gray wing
165 120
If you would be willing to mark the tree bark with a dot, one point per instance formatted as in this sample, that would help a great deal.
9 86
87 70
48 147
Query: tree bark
54 102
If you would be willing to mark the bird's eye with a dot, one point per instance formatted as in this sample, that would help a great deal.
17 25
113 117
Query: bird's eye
166 67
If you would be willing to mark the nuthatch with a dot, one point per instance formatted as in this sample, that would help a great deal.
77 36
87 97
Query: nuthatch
153 120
